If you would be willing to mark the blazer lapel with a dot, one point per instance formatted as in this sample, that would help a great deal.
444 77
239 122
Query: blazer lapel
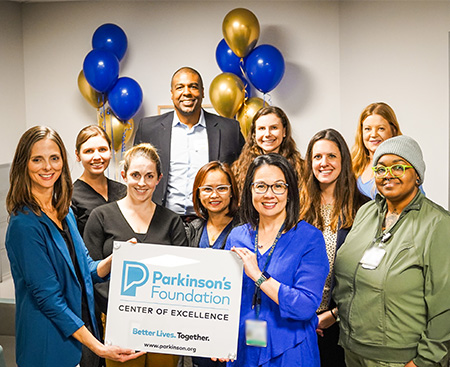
213 133
59 242
165 137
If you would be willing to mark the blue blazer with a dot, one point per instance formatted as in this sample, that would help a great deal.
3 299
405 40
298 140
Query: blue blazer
48 294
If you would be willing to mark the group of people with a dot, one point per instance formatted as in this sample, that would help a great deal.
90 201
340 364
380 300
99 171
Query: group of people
336 236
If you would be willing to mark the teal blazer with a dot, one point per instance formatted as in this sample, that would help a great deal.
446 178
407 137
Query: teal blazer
48 294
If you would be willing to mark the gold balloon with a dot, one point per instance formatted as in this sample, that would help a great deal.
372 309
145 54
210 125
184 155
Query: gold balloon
248 110
240 29
90 94
120 131
227 93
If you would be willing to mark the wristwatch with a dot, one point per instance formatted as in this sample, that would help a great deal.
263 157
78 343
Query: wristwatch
264 276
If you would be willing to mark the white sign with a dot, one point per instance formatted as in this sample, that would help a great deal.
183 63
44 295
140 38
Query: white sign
174 300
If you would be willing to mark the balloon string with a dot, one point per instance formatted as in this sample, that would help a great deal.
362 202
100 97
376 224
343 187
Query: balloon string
241 66
129 127
267 98
103 113
114 148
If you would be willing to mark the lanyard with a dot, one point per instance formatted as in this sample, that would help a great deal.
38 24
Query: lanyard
256 300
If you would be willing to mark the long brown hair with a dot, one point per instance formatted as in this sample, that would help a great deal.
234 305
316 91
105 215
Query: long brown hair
347 198
251 150
360 154
19 194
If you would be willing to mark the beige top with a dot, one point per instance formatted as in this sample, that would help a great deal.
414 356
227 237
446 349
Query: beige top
330 243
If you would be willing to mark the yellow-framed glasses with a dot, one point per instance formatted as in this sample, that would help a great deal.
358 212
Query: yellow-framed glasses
396 170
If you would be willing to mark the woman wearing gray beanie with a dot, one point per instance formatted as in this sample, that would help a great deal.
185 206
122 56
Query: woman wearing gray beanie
392 280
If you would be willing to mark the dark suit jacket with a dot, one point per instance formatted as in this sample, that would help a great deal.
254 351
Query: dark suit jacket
225 142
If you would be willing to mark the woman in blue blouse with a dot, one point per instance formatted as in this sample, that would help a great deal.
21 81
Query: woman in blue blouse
52 270
215 197
285 265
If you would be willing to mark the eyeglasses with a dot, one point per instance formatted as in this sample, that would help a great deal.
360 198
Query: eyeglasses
278 188
221 189
396 171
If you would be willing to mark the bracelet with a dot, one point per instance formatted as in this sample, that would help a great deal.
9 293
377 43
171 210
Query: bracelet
333 314
264 276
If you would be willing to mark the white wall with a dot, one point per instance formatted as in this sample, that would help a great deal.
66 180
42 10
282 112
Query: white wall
12 94
398 52
340 56
164 36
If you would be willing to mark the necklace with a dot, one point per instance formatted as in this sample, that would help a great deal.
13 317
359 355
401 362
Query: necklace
214 235
277 237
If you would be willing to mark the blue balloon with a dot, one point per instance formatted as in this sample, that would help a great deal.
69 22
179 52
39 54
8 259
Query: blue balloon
101 69
125 98
264 67
112 38
227 60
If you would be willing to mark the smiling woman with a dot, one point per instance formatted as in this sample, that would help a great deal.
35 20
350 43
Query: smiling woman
93 188
285 267
377 123
329 200
396 257
136 217
52 270
270 132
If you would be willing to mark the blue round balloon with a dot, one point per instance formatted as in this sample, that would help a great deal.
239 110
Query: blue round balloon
101 69
125 98
227 60
264 67
112 38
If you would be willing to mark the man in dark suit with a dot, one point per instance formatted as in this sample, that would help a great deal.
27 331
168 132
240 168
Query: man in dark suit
186 140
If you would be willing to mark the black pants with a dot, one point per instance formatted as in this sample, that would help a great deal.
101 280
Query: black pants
206 362
331 354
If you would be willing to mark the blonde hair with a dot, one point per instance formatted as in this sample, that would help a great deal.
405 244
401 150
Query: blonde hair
360 154
145 150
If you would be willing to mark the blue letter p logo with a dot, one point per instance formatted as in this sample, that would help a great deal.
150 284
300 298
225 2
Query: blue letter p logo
134 275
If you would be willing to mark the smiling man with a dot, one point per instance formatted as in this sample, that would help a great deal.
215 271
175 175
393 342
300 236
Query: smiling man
186 140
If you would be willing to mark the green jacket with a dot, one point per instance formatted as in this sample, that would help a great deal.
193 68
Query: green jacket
399 311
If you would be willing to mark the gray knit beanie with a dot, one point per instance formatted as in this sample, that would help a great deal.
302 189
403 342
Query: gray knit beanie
404 147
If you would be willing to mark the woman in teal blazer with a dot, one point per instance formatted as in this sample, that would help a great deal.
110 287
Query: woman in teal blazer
51 267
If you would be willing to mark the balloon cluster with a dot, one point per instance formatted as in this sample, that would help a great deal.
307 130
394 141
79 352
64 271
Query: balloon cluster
100 85
241 62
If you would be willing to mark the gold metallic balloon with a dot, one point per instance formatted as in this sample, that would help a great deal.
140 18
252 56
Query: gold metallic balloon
120 131
90 94
227 93
248 110
240 29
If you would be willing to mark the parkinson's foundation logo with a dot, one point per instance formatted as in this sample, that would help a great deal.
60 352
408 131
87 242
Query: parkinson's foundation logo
134 275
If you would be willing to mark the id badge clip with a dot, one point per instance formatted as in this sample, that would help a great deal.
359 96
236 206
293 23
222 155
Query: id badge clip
372 257
256 333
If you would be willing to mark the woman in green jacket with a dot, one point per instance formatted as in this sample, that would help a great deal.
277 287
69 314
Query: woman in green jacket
392 282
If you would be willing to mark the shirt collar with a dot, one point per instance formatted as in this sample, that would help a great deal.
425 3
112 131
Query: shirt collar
201 121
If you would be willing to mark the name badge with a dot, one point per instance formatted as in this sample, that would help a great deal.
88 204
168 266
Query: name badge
372 258
256 333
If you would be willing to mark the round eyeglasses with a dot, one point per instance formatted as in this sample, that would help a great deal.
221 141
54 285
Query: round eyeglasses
396 171
278 188
221 189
